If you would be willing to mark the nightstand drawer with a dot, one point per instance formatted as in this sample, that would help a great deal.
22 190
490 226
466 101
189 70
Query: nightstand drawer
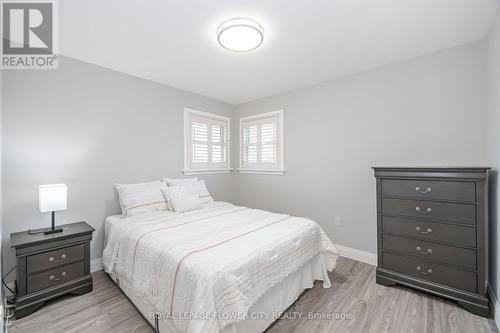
54 277
56 258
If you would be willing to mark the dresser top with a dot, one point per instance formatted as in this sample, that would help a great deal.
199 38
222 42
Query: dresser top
433 169
23 238
458 173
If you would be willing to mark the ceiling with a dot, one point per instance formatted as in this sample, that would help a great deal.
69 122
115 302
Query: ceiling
306 41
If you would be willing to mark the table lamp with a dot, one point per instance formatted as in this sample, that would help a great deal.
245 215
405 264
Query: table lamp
52 198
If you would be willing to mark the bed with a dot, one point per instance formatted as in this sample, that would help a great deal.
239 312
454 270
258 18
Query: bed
222 268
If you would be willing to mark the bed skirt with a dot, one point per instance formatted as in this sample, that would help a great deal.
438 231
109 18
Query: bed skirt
261 315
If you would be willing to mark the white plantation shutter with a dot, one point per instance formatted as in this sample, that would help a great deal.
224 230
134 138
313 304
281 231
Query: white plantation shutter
206 146
218 144
199 142
268 142
250 143
261 146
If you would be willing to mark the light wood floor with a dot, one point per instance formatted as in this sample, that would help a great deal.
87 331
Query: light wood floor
372 308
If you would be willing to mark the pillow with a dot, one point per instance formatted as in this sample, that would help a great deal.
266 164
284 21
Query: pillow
166 194
141 197
199 188
179 181
193 187
181 199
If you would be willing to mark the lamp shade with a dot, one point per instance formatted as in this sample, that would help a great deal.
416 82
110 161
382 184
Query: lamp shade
52 197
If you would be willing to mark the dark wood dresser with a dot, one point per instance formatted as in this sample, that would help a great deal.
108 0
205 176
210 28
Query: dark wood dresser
432 232
49 266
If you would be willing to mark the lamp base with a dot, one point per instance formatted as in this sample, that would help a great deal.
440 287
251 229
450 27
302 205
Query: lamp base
45 231
52 231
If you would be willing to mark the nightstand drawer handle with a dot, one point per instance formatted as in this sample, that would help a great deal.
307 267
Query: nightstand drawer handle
419 249
429 231
54 260
427 190
427 211
429 271
53 278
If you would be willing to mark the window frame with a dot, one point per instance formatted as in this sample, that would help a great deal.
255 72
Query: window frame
260 168
189 169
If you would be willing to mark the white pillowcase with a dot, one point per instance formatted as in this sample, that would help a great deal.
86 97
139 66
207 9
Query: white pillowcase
173 182
181 199
141 197
193 185
200 189
166 194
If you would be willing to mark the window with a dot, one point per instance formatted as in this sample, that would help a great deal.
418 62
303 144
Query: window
206 143
261 143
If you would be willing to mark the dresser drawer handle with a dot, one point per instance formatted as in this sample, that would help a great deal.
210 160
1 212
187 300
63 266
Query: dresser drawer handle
427 211
54 260
429 271
419 190
53 278
419 249
429 231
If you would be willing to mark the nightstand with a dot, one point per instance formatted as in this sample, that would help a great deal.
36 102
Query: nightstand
49 266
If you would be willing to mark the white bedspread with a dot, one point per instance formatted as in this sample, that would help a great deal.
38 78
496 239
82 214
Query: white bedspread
207 267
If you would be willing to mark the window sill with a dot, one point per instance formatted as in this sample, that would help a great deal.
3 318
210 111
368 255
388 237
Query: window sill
279 172
190 172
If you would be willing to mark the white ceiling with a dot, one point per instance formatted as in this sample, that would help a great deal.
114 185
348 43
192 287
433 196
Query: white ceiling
306 41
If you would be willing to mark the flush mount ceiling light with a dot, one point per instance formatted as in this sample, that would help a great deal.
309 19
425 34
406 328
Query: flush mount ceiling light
240 35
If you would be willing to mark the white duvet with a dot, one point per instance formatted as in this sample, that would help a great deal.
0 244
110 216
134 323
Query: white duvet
206 268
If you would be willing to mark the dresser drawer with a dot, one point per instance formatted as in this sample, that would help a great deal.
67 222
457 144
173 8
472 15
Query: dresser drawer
450 212
430 189
54 277
434 231
447 254
55 258
429 271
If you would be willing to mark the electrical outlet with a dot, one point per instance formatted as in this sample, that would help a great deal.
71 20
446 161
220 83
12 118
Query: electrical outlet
336 221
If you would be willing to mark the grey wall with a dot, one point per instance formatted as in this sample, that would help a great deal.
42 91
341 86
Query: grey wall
425 111
493 86
89 127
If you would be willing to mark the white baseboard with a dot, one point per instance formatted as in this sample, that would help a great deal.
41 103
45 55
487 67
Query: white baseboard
96 265
495 306
363 256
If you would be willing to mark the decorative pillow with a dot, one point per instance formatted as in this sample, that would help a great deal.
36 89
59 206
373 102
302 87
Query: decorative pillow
166 193
141 197
199 188
181 199
194 187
